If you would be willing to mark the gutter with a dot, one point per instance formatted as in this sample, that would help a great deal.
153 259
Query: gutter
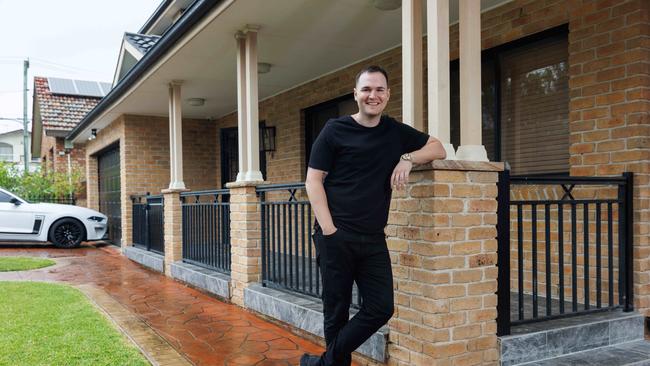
198 10
160 10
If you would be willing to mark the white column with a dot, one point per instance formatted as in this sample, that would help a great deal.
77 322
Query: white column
412 75
241 107
470 82
175 136
438 73
253 172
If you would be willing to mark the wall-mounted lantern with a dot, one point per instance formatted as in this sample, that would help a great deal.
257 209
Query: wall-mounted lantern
267 138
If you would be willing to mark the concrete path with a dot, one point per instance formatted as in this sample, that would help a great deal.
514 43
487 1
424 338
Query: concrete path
201 328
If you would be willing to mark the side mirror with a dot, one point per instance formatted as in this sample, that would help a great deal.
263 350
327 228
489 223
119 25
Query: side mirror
15 201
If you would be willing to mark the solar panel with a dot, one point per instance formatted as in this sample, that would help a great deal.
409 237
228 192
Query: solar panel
78 87
62 86
90 88
106 87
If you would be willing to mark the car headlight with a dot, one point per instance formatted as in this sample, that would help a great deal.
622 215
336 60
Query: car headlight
96 218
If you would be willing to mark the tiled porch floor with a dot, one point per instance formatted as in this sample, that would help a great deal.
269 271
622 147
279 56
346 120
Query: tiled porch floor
207 331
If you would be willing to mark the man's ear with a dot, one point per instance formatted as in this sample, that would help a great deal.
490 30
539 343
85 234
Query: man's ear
387 94
354 90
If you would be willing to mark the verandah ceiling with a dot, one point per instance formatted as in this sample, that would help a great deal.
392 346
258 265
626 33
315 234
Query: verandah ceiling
301 39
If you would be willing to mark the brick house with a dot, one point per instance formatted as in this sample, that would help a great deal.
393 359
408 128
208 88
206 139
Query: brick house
58 106
202 144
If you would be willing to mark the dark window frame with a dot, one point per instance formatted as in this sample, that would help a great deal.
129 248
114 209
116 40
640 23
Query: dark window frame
309 114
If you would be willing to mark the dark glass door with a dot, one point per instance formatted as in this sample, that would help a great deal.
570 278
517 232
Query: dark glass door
230 155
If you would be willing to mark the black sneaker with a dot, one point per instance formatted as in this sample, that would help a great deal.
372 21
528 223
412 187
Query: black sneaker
309 360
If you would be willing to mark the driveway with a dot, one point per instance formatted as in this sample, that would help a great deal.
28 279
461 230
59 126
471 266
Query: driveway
202 328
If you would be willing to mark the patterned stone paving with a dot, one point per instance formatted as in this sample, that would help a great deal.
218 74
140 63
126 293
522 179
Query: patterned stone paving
203 329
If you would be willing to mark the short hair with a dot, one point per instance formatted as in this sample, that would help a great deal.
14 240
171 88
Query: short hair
371 69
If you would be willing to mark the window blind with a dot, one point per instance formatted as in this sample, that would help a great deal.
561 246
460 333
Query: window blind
535 107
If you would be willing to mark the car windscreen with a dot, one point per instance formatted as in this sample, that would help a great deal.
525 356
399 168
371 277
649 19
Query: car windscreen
5 198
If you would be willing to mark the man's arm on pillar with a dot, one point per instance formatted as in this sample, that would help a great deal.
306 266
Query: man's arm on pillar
432 150
318 199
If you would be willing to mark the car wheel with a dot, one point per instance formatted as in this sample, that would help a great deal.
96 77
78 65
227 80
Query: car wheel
67 233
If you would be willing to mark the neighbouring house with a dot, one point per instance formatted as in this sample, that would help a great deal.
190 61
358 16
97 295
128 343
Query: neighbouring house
530 242
12 146
58 106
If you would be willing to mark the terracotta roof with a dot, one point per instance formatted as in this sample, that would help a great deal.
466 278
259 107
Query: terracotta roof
60 112
142 42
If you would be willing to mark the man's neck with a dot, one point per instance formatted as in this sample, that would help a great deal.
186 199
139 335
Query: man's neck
365 120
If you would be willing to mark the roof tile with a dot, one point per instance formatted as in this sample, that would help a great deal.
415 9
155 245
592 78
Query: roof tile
58 111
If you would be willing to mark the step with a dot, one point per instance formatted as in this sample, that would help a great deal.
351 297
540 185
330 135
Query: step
306 313
208 280
148 259
559 337
635 353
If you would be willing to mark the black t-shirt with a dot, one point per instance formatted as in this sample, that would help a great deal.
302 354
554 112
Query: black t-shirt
359 161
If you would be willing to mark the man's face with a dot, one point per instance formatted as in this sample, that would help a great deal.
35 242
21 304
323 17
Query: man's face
372 94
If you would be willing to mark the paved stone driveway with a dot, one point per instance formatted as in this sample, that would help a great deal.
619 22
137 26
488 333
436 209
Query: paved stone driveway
205 330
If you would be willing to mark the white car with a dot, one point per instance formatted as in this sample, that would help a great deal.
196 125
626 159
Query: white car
66 226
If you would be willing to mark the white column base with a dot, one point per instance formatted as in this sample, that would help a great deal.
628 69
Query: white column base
241 176
252 176
177 185
451 153
472 153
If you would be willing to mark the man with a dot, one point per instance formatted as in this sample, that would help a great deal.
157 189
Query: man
353 164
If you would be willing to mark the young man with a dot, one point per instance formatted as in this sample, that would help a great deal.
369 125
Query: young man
353 164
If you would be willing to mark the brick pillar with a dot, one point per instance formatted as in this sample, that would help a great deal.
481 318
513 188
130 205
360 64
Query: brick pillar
173 227
92 182
442 239
245 234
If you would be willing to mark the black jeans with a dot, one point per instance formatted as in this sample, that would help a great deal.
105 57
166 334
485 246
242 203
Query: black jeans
345 258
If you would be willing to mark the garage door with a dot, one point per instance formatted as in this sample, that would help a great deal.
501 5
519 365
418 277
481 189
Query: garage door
109 192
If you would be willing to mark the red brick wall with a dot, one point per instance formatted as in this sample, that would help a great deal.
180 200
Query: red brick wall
609 55
147 159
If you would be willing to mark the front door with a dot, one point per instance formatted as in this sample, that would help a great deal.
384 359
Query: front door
109 192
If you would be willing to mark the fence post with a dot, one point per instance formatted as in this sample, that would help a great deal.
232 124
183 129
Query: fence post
146 224
262 197
503 252
629 241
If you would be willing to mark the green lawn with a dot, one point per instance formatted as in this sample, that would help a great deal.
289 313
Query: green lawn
50 324
23 263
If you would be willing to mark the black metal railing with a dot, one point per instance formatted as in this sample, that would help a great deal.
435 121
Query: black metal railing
206 229
148 222
565 247
288 253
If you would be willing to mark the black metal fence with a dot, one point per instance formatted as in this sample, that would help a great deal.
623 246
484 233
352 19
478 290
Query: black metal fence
288 253
65 200
206 229
565 247
148 222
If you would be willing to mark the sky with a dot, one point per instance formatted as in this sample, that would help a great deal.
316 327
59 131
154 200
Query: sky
75 39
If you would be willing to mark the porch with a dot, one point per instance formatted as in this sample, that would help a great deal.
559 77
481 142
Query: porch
540 104
564 256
